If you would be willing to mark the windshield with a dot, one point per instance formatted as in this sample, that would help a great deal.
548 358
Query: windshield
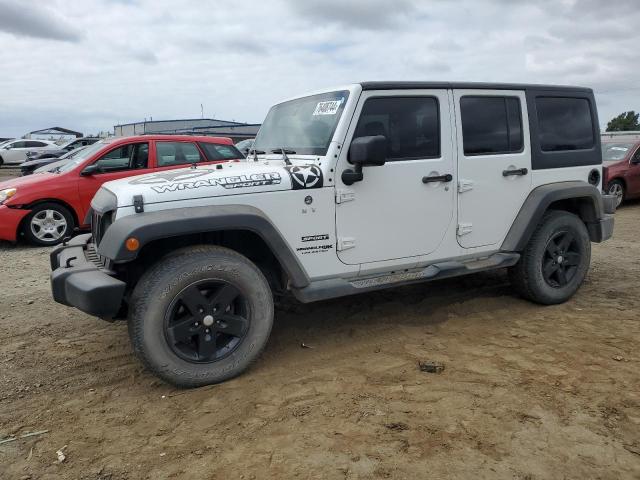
304 126
81 156
615 151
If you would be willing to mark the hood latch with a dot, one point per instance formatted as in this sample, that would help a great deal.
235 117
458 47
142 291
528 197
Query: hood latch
138 203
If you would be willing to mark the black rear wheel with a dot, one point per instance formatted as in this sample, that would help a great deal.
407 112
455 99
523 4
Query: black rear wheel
556 260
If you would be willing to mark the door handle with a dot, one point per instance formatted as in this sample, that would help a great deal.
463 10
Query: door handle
517 171
438 178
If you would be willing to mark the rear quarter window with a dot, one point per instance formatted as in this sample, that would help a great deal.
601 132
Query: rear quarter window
564 124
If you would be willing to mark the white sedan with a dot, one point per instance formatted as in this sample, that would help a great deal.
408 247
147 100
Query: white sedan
15 151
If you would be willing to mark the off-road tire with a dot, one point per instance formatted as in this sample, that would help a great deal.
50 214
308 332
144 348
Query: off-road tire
159 287
527 275
55 207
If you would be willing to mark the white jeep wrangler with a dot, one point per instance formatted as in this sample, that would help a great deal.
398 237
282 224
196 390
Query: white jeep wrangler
349 190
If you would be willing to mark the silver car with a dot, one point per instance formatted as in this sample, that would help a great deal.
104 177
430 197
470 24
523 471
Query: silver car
15 151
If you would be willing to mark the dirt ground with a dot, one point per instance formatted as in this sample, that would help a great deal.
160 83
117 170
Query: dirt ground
528 392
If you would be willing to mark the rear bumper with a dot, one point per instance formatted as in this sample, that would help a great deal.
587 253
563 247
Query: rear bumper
10 219
79 283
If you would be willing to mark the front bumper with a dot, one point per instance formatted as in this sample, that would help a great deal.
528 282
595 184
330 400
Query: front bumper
10 219
79 283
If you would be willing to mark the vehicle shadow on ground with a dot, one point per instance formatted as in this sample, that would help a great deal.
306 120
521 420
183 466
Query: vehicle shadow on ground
420 304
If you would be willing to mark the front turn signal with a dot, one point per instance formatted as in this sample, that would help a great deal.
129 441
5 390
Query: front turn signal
132 244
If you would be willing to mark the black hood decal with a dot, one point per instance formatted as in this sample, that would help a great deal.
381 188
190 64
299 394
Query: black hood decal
305 176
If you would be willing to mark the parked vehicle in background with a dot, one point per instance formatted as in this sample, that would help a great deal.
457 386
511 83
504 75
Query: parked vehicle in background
62 149
621 169
245 146
356 189
48 207
30 166
15 151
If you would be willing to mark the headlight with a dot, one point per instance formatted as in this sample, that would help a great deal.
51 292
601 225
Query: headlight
7 194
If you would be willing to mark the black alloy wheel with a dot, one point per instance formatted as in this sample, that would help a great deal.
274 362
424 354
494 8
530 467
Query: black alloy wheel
561 259
207 321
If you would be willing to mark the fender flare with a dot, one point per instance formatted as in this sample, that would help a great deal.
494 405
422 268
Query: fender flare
538 202
150 226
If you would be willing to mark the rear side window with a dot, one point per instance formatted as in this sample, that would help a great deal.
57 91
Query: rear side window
564 124
491 125
33 144
217 151
177 153
410 124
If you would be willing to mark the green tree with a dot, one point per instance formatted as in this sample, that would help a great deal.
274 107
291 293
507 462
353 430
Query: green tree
624 122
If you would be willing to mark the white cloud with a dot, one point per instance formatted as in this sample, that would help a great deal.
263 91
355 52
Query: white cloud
88 64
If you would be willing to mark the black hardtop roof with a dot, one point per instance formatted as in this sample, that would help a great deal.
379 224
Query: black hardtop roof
401 85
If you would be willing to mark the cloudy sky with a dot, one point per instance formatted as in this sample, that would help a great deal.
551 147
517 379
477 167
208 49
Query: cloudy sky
90 64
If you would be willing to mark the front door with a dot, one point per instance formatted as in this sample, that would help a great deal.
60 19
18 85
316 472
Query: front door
403 208
123 161
494 163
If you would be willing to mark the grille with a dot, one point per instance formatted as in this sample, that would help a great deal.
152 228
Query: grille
99 225
92 255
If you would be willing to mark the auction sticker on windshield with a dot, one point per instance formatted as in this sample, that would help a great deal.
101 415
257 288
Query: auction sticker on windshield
327 108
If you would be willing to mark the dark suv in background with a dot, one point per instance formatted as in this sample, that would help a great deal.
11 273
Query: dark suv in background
621 166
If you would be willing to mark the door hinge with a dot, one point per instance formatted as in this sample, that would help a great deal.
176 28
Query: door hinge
464 185
464 228
345 243
343 196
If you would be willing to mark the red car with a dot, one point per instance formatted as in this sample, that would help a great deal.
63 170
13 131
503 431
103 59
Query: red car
621 169
48 207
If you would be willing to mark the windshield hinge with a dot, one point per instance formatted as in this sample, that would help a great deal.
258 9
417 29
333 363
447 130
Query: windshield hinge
138 203
343 196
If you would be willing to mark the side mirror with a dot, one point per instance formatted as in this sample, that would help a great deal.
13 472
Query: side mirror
90 170
365 152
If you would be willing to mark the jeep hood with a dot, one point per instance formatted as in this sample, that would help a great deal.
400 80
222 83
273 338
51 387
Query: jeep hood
223 179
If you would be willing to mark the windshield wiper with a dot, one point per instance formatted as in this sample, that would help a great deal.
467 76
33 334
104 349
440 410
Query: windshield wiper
284 153
255 153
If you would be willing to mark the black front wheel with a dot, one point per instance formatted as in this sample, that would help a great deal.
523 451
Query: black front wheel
200 316
556 260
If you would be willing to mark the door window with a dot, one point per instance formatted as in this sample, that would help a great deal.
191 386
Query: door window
20 144
35 144
134 156
216 151
177 153
410 124
491 125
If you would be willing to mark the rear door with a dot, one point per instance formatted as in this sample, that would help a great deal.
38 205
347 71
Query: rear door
494 163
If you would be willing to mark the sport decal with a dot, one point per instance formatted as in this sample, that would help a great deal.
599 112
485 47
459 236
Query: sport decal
305 176
239 181
315 238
